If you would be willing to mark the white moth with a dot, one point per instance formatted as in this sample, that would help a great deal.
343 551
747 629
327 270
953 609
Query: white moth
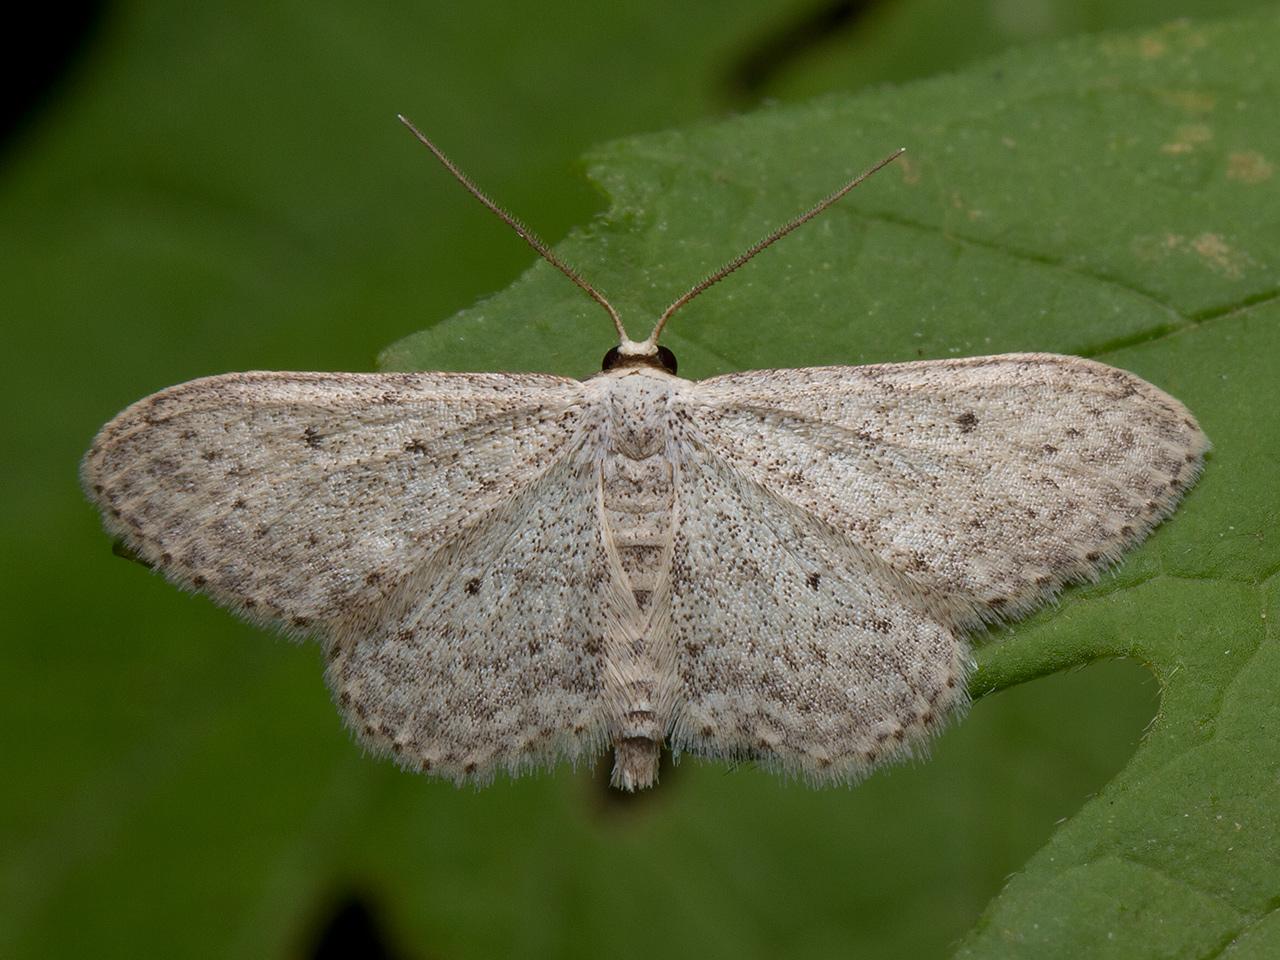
507 570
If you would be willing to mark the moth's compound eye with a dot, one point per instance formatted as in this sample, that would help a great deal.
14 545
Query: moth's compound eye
667 360
664 358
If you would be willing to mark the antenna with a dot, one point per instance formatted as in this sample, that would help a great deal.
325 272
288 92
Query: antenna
742 258
529 237
648 346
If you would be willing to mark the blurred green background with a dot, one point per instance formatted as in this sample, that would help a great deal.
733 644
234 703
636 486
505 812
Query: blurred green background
223 188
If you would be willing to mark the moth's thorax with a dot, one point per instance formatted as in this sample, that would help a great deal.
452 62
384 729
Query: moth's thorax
637 401
636 476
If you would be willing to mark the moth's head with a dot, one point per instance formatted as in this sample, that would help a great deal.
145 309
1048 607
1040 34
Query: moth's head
645 354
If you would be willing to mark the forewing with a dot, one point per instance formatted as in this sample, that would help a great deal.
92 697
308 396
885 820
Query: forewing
986 482
794 647
300 498
492 655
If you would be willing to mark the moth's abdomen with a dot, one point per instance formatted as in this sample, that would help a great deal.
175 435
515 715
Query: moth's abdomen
638 497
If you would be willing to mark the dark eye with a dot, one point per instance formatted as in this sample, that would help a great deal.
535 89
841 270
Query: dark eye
664 359
667 360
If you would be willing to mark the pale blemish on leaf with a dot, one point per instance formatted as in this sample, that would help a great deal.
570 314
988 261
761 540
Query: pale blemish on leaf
1209 248
1179 36
909 170
1152 47
1189 101
971 213
1249 166
1220 256
1187 138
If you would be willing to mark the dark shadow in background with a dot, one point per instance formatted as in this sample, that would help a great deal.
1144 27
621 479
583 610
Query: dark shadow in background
46 41
753 72
349 930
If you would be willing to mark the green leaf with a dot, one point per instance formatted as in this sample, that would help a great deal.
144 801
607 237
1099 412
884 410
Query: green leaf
1114 199
227 190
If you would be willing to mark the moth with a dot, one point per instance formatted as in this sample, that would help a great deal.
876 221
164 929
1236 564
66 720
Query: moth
508 570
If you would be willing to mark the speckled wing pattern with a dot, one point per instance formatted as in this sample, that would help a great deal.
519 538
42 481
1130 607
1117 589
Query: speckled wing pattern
493 654
430 528
795 647
507 570
841 527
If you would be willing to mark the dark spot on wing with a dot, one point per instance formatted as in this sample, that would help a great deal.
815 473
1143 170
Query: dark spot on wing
813 580
473 586
966 421
311 437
